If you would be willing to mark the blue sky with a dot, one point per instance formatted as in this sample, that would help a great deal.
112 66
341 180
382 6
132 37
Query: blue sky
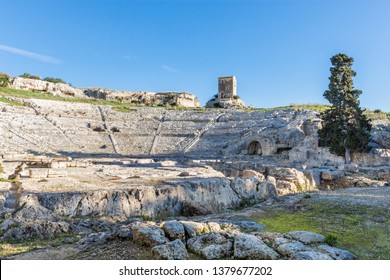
279 50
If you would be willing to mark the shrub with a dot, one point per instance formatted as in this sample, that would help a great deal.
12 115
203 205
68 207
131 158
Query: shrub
28 76
4 80
54 80
236 97
306 196
331 239
377 111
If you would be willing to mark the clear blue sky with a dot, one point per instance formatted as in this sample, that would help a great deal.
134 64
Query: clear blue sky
279 50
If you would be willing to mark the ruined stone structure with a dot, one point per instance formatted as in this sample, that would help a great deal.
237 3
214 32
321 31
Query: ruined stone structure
68 167
227 87
227 94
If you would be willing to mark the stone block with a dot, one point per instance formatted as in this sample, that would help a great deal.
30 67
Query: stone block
39 173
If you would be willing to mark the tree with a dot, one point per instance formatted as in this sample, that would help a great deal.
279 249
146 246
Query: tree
345 129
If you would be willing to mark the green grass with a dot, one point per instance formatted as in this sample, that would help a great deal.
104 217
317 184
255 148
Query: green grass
10 248
365 231
124 109
8 180
10 102
42 95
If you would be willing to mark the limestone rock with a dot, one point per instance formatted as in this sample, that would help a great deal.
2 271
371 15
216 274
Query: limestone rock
292 176
94 239
269 237
285 187
175 250
250 247
382 138
32 210
36 229
174 230
336 253
191 208
239 226
214 227
124 231
290 248
44 86
253 189
352 168
211 246
247 173
306 237
148 234
6 224
193 229
310 255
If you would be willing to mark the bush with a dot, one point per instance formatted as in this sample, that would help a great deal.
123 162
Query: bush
236 97
54 80
331 239
4 80
28 76
377 111
306 196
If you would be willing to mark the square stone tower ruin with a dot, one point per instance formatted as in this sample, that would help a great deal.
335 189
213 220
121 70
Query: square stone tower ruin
227 87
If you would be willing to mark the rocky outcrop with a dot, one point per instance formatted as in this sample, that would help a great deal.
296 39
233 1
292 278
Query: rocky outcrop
148 234
214 194
182 99
48 87
145 98
250 247
212 245
175 250
226 104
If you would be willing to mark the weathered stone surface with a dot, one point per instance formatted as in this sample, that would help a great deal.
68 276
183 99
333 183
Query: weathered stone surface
94 239
332 175
39 173
310 255
291 180
336 253
306 237
214 227
174 230
193 229
269 237
252 173
124 231
36 229
253 189
285 187
6 224
190 208
32 210
289 248
382 138
175 250
145 98
148 234
43 86
250 247
211 246
352 168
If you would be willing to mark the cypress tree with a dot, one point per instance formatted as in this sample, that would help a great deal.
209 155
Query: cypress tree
345 129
